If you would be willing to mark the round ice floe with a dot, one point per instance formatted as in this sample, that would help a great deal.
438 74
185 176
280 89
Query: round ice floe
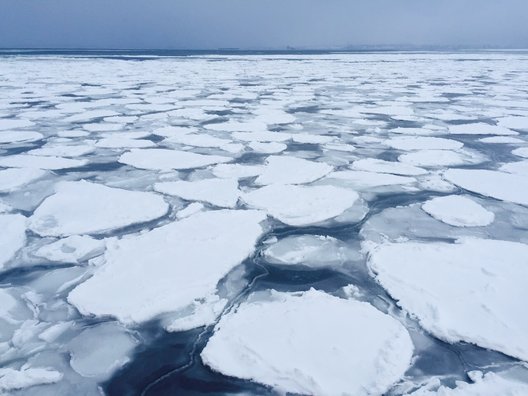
500 185
161 159
490 384
12 237
219 192
397 168
313 251
311 343
21 136
13 179
479 128
169 268
423 143
291 170
458 211
470 291
89 208
301 205
521 152
40 162
438 158
100 350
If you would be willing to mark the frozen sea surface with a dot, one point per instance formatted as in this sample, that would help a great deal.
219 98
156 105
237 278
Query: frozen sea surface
257 224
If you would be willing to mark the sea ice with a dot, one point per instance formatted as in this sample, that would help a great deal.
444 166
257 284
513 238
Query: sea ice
520 167
423 143
11 379
99 351
219 192
291 170
20 136
479 129
302 205
238 171
13 179
500 185
145 276
364 180
300 343
12 237
440 158
501 140
12 123
90 208
162 159
489 384
520 123
469 291
521 152
458 211
267 147
313 251
40 162
73 249
381 166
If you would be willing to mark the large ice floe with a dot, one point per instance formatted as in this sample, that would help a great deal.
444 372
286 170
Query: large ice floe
89 208
270 341
500 185
160 159
145 276
468 291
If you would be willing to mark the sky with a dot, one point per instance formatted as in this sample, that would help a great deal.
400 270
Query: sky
261 24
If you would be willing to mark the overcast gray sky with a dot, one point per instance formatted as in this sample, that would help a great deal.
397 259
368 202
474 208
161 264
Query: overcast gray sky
209 24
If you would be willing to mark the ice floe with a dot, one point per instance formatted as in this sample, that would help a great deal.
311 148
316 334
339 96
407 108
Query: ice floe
441 158
301 205
40 162
145 276
479 128
314 251
89 208
20 136
520 123
12 379
291 170
219 192
89 359
423 143
299 343
458 211
15 178
489 384
12 237
468 291
381 166
162 159
521 152
500 185
73 249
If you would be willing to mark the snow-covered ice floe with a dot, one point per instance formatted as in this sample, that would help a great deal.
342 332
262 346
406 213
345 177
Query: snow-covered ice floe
89 208
162 159
468 291
144 276
357 351
458 211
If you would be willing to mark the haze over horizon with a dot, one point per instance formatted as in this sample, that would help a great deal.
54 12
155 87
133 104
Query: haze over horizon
271 24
